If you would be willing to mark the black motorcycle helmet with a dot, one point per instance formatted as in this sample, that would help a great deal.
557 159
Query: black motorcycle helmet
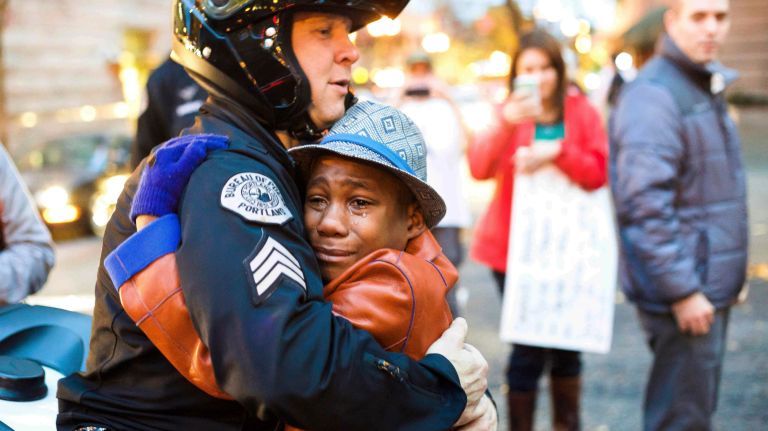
241 50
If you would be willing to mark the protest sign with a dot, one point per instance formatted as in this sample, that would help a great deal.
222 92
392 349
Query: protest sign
561 268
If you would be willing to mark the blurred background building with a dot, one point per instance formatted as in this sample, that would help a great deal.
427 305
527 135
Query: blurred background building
470 40
746 48
73 66
72 73
69 66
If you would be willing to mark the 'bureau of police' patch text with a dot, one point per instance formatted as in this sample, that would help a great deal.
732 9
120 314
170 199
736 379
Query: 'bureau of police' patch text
255 197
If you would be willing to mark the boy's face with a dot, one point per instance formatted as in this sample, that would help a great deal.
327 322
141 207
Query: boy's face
352 209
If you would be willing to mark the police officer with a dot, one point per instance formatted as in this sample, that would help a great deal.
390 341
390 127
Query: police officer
276 72
173 100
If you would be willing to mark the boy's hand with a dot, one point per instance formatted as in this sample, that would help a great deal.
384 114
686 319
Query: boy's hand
168 171
144 220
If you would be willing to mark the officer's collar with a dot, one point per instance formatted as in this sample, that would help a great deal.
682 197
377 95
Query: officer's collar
234 114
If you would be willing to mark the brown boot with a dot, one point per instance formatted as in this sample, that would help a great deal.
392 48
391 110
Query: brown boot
520 407
565 392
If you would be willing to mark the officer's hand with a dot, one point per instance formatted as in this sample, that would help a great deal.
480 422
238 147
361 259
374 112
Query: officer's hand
694 314
469 363
168 171
485 417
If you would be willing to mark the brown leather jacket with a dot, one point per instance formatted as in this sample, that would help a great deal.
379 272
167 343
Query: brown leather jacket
397 296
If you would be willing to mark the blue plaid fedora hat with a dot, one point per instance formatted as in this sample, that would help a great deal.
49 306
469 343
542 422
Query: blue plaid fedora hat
382 135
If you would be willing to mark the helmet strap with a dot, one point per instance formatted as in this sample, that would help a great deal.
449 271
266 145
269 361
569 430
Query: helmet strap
306 130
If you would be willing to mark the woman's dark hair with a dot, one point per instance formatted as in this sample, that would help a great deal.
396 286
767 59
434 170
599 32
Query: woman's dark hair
540 39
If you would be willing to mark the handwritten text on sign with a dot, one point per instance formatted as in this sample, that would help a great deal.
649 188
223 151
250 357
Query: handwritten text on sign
561 268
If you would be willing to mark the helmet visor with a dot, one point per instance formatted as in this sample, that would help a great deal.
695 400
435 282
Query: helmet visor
390 8
222 9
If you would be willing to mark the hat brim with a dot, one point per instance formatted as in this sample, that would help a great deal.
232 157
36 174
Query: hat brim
432 205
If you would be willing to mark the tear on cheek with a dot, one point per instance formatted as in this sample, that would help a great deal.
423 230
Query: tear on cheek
357 216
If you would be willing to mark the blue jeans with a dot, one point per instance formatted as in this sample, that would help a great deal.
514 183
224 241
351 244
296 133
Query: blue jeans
682 389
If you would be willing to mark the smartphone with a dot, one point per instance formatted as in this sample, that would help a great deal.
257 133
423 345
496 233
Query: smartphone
417 91
528 84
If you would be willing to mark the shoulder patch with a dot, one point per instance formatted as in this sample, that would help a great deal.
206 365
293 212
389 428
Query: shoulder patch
270 262
255 197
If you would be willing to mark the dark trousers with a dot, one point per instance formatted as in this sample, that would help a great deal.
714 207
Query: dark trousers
527 363
450 241
682 388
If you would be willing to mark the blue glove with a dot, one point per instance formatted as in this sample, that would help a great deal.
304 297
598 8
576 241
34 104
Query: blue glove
168 171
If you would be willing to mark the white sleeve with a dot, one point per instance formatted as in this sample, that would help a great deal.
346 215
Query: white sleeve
26 250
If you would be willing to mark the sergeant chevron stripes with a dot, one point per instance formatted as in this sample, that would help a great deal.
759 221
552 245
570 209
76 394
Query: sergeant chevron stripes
272 261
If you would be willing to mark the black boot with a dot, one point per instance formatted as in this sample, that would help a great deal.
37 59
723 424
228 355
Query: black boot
565 392
520 407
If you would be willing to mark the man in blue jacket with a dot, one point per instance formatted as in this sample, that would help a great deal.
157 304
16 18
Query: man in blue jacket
277 72
679 188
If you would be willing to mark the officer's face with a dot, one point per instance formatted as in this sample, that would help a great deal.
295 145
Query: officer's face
325 53
353 209
698 27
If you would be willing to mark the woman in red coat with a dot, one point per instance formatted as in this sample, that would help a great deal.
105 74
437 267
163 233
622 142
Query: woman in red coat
561 110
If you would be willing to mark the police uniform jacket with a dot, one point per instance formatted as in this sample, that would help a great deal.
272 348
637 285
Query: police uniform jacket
398 296
254 294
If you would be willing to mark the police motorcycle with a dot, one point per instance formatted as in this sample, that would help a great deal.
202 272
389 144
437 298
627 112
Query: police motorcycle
38 346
